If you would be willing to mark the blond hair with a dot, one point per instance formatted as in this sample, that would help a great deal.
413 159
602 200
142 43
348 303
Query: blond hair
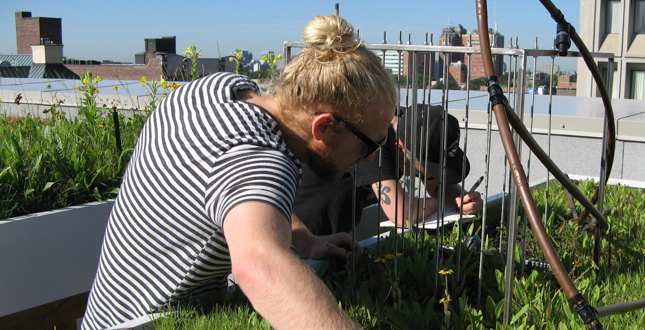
332 70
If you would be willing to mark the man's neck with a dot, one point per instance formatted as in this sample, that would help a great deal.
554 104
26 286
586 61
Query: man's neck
295 139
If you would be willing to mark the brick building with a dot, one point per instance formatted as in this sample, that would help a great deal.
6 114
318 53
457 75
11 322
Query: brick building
458 63
159 60
34 30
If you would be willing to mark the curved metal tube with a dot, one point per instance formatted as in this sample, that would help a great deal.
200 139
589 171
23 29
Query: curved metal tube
575 298
609 113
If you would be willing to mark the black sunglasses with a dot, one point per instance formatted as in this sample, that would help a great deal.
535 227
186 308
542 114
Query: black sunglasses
372 146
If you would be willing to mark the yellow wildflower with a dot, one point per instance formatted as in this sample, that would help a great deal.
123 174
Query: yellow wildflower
143 80
444 300
379 260
576 264
116 88
97 79
445 271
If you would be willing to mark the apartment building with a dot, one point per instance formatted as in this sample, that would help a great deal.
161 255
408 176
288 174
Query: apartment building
617 27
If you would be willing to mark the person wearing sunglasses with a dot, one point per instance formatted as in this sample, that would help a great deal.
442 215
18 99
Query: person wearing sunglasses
328 208
210 186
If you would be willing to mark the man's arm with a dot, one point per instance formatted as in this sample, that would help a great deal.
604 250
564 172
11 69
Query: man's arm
281 288
321 247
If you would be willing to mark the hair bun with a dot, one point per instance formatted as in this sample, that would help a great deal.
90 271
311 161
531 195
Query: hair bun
328 36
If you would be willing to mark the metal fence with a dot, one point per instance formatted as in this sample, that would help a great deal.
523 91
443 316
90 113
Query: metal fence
418 67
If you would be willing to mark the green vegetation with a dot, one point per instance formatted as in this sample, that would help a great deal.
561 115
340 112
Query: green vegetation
52 162
452 85
394 288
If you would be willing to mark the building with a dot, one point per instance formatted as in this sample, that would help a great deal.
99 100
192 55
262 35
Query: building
40 55
36 30
459 36
402 63
547 68
617 27
476 60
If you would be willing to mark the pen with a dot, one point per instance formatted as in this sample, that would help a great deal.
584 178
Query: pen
481 178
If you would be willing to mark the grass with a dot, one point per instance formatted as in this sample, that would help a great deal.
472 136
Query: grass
396 289
53 162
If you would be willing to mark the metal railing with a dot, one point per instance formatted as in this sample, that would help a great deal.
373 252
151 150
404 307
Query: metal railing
415 96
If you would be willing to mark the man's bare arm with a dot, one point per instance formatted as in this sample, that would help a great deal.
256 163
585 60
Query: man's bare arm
321 247
281 288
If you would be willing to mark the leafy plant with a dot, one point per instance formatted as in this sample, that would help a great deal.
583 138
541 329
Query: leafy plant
193 54
272 60
238 57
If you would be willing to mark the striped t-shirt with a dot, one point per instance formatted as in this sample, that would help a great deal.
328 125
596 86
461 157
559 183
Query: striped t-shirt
201 152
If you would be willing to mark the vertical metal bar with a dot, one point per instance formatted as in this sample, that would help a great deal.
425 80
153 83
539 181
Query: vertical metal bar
545 219
482 247
603 166
380 176
413 141
514 198
463 167
440 188
528 165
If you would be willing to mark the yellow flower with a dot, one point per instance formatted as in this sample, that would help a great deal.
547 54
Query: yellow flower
445 271
97 79
48 86
164 95
501 229
379 260
175 86
444 300
96 91
389 256
143 80
576 264
145 109
102 125
116 88
264 58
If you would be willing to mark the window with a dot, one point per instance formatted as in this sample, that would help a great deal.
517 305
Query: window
612 16
638 84
639 17
614 85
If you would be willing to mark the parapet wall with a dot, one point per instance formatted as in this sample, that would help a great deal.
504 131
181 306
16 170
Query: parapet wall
152 70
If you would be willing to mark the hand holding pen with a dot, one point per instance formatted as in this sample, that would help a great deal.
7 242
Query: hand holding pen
474 199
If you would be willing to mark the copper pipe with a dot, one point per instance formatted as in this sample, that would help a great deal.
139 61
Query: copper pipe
519 177
521 130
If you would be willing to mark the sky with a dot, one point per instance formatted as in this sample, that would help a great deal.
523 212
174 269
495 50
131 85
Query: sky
115 30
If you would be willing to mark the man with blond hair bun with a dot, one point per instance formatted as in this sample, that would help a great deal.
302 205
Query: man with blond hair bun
211 182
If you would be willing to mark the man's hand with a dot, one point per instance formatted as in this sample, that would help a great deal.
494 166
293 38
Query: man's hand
336 245
321 247
471 204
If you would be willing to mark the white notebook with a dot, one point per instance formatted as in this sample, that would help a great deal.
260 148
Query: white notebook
450 216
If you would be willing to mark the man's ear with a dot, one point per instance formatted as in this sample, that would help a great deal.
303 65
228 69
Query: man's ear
321 125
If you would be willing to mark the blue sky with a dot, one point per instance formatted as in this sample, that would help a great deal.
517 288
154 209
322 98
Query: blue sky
115 30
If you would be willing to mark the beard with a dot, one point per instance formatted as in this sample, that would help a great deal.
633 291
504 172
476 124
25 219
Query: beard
319 161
